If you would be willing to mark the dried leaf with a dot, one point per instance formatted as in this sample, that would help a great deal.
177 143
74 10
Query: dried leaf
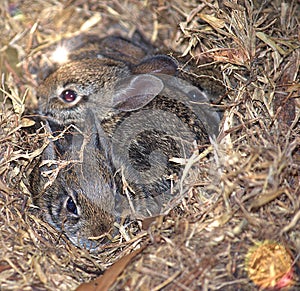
146 222
266 39
27 122
233 56
213 21
39 271
192 43
103 282
266 198
233 5
91 22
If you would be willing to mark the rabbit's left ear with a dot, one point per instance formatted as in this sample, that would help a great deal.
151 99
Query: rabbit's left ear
136 92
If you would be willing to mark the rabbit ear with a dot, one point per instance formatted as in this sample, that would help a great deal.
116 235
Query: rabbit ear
137 92
49 152
160 64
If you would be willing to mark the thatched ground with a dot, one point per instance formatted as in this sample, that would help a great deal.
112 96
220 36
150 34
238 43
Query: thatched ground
248 184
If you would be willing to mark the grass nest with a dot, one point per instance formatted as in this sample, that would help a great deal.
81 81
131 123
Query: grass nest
220 241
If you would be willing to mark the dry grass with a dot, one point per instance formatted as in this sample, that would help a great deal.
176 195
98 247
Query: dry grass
245 190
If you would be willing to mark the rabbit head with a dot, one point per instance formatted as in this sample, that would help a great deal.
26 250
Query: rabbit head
80 201
67 94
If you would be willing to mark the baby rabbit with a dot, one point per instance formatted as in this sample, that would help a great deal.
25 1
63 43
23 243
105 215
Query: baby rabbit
149 128
89 83
80 201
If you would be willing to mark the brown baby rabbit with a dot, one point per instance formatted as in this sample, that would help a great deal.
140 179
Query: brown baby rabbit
149 129
66 94
80 201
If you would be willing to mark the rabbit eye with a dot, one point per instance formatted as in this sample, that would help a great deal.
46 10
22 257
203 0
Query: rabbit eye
68 95
71 206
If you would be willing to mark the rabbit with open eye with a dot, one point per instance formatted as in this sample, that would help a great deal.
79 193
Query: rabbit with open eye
67 94
80 201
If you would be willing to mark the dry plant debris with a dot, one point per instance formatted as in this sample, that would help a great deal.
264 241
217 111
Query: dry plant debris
269 265
245 190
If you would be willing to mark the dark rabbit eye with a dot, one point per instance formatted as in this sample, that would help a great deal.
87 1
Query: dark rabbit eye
68 95
71 206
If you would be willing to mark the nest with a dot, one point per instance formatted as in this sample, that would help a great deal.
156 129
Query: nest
251 173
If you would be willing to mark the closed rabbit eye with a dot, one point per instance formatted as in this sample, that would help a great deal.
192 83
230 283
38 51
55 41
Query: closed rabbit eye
69 95
71 206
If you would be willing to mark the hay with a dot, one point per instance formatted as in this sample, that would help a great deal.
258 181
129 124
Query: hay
246 189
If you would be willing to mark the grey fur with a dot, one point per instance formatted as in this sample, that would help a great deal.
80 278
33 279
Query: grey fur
142 116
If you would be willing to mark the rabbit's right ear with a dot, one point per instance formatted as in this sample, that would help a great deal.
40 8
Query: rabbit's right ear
136 92
49 153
